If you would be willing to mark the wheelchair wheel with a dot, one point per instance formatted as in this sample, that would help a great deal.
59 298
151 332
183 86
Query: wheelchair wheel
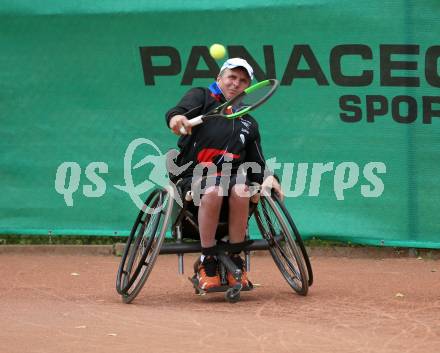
128 268
143 245
296 236
285 251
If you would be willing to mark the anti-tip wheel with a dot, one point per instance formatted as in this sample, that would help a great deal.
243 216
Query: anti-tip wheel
232 295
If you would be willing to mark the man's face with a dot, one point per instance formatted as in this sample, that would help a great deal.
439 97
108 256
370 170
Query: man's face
233 81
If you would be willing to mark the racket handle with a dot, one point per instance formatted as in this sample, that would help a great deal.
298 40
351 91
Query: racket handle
193 122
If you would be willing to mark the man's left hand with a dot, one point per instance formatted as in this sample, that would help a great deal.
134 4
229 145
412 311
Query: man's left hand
271 183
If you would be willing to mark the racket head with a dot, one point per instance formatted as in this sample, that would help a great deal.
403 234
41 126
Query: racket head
250 99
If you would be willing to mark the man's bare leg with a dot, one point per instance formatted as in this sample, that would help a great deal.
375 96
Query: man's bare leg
238 213
209 213
238 217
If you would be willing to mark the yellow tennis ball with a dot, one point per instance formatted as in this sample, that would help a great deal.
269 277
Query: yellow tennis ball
217 51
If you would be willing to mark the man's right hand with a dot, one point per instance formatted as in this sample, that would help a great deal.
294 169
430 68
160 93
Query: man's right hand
177 121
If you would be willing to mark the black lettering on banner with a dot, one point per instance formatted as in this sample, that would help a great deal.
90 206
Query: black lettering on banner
240 51
412 109
191 71
314 71
403 108
431 66
344 104
365 79
147 54
372 111
428 112
387 65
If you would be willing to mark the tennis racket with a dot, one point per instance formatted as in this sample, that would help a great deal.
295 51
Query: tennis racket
250 99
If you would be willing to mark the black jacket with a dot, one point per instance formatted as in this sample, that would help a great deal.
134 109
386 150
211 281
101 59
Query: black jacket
217 139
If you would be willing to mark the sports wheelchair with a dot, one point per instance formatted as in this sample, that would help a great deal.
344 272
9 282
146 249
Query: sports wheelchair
160 212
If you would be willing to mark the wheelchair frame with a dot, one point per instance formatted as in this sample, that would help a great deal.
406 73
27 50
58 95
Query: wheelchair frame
146 241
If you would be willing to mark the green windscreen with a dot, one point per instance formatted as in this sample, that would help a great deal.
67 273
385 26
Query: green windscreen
352 131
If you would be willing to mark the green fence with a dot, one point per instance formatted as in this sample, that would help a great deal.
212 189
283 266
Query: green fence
355 123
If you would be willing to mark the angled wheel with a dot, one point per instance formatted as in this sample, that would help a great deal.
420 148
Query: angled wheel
128 267
143 244
295 235
285 252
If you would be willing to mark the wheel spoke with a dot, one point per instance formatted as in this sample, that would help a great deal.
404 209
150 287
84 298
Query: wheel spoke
288 261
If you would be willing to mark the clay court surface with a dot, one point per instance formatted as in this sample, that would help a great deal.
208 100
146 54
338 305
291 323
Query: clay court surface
67 303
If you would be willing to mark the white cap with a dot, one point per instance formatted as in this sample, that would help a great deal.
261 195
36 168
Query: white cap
238 62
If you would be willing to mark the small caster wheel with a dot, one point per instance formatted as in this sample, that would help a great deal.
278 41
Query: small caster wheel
232 295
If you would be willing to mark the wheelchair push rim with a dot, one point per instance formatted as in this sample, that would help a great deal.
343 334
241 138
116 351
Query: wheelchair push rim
285 252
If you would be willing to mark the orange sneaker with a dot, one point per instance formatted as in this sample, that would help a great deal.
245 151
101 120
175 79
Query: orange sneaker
238 261
207 274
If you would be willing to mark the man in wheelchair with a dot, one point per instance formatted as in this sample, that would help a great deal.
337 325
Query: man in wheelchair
223 158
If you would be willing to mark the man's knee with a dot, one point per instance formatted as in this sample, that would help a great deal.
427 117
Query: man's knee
240 193
211 196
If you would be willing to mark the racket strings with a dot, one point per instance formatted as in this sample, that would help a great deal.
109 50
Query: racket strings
249 100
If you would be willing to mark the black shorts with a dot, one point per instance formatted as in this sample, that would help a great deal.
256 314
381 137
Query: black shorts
186 184
225 183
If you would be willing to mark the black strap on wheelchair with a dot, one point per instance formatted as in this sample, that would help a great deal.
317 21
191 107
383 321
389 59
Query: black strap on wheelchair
222 246
211 251
235 248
